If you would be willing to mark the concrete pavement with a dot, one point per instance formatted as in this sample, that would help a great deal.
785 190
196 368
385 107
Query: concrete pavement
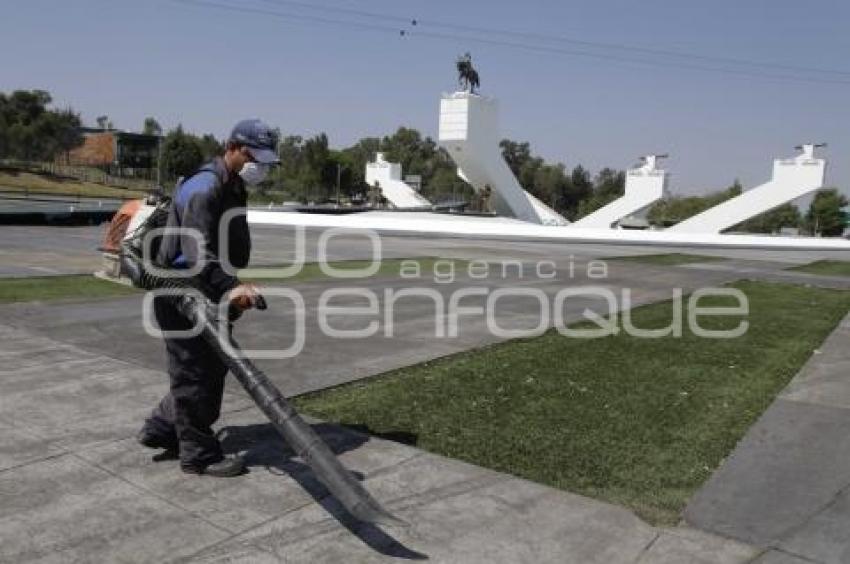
113 327
76 487
44 250
786 487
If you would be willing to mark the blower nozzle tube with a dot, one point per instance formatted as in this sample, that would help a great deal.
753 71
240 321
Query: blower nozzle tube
307 444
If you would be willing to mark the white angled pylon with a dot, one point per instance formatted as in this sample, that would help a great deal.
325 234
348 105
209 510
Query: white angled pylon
644 185
792 178
393 188
469 131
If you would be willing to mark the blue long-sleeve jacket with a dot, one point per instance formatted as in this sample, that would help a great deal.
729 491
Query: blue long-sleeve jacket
200 202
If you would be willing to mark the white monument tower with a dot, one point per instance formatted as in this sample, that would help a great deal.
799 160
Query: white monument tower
393 188
644 185
792 178
469 131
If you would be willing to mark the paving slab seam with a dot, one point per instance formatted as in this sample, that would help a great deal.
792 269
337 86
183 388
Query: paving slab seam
234 533
153 493
389 468
263 523
330 523
757 555
245 544
808 519
789 532
786 553
647 548
377 472
128 362
310 530
249 530
449 490
35 461
95 354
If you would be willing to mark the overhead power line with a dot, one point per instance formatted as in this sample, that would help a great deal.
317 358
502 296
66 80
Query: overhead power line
414 28
401 20
288 16
631 60
634 49
417 23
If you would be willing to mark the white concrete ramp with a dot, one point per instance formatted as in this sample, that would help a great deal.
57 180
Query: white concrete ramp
393 188
644 185
792 178
469 131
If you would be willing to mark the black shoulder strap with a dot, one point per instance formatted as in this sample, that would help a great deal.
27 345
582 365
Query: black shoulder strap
208 167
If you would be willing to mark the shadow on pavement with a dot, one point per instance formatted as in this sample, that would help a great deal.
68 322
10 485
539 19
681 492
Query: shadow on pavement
262 447
403 437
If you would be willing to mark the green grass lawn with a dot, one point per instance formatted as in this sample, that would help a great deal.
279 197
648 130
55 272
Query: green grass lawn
41 183
42 288
388 268
633 421
669 259
825 268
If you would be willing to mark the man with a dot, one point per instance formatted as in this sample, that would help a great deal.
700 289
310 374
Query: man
182 422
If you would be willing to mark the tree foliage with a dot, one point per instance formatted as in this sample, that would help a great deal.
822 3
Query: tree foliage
786 215
825 216
29 130
310 169
181 153
151 127
553 184
103 122
671 211
609 185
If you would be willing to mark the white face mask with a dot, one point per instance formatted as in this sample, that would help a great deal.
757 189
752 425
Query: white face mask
254 173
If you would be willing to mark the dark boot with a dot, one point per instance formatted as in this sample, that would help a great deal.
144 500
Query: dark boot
226 468
150 439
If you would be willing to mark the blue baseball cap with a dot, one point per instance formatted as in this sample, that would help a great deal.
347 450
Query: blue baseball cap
258 138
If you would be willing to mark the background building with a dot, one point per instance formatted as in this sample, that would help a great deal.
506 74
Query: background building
119 153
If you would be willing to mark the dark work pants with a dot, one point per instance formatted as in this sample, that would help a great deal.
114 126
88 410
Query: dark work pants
186 414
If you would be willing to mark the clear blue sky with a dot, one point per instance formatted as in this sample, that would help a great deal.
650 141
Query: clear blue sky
206 68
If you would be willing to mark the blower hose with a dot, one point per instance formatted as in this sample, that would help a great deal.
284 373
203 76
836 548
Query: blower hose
308 445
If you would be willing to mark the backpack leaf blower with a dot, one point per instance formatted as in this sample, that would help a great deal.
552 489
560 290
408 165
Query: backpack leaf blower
203 313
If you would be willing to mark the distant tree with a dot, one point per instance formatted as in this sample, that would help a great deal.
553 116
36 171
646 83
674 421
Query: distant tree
290 153
786 215
102 122
416 154
29 130
825 216
550 183
736 189
210 147
309 167
671 211
151 127
609 185
314 173
516 154
356 158
350 180
445 185
579 188
182 153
